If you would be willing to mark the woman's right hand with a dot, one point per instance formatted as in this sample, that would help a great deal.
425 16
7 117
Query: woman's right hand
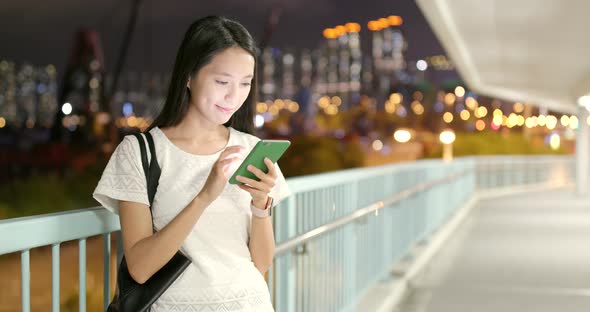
217 180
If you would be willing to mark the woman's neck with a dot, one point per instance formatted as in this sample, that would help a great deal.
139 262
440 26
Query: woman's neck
196 131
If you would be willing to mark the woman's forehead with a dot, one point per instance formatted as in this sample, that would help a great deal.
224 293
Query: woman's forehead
233 61
233 64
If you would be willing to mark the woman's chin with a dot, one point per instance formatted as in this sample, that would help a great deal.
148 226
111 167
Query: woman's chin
221 121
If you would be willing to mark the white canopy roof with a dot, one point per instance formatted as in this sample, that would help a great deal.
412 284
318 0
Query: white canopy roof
533 51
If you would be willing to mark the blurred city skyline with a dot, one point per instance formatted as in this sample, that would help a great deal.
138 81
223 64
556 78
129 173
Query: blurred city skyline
363 91
48 34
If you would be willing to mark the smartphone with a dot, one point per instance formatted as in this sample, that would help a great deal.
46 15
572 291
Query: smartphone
273 149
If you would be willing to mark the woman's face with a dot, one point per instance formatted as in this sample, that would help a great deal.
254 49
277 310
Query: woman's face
220 88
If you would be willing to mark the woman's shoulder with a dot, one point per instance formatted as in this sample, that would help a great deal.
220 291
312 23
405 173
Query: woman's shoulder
130 142
127 145
129 148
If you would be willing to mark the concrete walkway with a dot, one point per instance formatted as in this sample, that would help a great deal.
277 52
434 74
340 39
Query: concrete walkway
527 252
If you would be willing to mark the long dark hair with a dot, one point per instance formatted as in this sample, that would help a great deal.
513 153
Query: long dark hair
203 40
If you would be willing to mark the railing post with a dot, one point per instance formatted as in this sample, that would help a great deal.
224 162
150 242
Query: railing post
55 277
283 279
25 280
106 270
82 274
352 238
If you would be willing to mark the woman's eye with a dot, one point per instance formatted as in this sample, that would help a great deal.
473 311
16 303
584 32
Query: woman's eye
221 82
246 84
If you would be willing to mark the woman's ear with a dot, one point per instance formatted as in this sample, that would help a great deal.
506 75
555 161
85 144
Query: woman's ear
188 83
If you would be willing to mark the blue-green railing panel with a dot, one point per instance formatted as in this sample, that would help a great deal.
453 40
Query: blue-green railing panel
337 234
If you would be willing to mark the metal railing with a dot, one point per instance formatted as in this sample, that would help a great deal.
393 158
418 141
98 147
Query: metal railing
23 234
342 232
337 234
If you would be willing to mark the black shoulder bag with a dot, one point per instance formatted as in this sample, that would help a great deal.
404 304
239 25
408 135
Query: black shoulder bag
131 296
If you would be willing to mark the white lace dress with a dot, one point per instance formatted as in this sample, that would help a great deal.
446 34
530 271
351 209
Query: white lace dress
222 276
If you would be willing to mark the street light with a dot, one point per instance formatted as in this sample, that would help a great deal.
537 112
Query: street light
66 108
421 65
584 101
447 137
402 135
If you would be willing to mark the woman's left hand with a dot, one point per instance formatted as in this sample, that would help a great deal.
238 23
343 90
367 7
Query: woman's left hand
259 189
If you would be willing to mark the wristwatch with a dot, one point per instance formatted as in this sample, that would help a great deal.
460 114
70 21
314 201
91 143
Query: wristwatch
263 213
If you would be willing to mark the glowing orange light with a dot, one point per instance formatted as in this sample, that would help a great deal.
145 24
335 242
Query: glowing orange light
374 26
330 33
353 27
340 30
395 20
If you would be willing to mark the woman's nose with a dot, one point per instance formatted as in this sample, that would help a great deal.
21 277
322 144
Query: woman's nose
232 93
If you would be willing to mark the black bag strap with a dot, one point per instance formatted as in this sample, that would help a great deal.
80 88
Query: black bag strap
155 171
144 161
152 169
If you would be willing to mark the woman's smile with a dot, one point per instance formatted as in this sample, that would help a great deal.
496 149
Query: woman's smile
224 110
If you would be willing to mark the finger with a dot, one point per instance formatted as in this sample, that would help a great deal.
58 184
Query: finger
261 175
255 193
272 171
223 163
253 183
247 188
230 150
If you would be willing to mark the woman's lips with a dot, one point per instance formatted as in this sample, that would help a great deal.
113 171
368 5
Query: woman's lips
223 109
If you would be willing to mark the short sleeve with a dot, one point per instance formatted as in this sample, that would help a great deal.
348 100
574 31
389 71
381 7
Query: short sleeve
281 190
123 177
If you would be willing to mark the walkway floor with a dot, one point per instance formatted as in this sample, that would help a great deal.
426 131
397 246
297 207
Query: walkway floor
526 252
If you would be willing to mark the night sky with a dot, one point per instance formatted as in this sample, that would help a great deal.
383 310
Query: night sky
41 32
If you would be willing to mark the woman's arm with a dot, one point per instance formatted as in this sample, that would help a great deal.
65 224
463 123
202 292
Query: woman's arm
146 252
262 241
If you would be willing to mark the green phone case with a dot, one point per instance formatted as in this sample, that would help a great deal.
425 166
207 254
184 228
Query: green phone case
272 149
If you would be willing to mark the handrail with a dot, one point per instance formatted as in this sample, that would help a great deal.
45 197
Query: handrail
36 231
424 185
293 243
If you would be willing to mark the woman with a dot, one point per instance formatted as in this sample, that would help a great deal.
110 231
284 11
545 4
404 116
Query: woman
224 229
